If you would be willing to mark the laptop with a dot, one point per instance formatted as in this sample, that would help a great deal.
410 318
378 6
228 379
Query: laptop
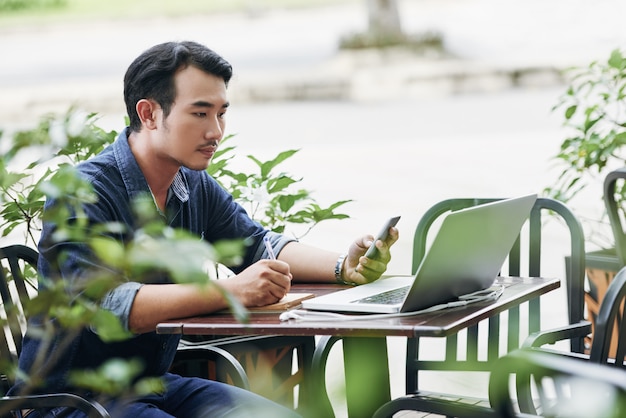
465 256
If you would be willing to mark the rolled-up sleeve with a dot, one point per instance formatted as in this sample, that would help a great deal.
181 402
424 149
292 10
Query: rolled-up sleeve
278 241
119 301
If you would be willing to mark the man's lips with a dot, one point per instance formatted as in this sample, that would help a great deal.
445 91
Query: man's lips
208 151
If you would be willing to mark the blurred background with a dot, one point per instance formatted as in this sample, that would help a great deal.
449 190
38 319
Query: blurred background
458 102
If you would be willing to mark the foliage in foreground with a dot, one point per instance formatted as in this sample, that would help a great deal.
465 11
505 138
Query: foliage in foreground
40 163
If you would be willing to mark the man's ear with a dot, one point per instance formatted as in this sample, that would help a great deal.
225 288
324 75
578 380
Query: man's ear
147 112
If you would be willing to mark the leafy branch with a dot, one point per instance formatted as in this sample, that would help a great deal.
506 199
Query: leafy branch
271 197
594 113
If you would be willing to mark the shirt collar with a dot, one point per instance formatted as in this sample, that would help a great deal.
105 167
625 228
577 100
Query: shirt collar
133 177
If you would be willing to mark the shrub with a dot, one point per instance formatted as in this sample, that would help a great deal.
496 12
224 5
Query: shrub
594 112
14 5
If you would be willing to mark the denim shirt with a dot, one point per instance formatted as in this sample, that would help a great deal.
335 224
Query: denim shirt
196 203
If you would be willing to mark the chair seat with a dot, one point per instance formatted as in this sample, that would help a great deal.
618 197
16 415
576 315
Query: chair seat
428 403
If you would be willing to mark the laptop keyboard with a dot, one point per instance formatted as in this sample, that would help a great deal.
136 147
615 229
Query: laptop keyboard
390 297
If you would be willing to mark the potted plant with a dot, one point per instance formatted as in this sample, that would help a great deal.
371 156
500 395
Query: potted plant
594 110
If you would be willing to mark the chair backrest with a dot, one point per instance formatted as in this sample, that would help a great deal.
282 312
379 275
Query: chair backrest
556 386
609 322
465 357
611 185
18 282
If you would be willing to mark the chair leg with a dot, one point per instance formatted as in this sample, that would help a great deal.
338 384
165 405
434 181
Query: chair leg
227 368
318 392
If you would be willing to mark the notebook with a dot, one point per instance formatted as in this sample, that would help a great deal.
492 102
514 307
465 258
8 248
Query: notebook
291 300
465 256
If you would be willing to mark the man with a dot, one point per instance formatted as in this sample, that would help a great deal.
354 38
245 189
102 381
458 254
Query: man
176 100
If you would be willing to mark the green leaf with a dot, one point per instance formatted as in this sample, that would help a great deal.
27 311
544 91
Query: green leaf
230 252
616 60
182 258
620 139
286 202
149 385
569 112
108 250
268 166
339 203
280 183
98 285
236 308
43 302
10 179
108 326
114 377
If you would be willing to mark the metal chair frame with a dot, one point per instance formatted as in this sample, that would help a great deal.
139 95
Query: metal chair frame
557 385
449 404
17 257
575 274
613 211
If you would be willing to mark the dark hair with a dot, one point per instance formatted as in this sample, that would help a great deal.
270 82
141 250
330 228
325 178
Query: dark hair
151 74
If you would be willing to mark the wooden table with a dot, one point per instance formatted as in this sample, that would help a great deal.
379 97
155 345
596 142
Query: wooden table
364 343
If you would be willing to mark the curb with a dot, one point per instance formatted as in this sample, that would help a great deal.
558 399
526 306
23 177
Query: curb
369 76
349 76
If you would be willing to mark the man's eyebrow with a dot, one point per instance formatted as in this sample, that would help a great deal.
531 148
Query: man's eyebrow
202 103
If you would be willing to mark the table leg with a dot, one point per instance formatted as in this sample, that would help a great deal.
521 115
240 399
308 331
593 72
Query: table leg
367 375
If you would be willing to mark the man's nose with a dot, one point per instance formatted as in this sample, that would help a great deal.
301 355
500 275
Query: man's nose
214 130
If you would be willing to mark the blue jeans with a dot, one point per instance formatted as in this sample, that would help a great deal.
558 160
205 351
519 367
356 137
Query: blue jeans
190 397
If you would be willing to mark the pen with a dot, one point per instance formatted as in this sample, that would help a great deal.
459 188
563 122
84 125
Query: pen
268 246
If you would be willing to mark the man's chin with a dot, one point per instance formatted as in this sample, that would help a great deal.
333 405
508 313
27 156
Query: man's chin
198 166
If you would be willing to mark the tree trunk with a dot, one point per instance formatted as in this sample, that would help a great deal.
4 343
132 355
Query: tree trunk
384 19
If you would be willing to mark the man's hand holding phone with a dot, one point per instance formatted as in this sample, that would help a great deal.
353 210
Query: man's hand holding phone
372 251
364 262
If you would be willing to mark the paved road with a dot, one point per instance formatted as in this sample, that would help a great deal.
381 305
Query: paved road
46 68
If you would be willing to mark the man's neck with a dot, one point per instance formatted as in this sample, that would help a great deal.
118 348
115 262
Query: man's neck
159 174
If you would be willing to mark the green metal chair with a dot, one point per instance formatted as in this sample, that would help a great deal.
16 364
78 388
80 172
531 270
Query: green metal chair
609 342
462 354
15 287
600 376
615 182
555 386
599 370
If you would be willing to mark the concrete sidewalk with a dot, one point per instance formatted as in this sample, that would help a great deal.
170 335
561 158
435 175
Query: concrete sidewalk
293 55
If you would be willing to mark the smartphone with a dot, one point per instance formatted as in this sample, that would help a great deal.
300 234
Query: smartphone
372 251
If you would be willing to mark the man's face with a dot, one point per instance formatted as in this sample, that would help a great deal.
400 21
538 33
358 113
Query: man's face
191 132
